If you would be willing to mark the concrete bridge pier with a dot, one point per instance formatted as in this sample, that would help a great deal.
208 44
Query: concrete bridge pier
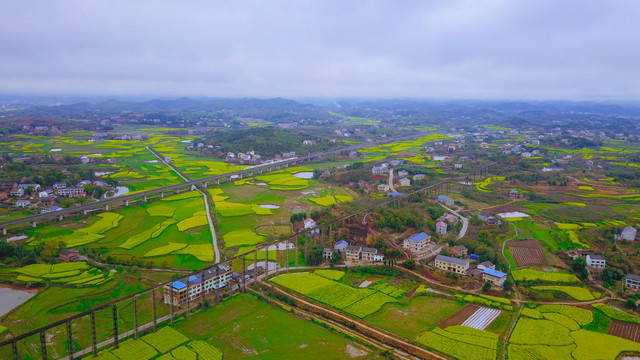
60 217
144 198
4 231
161 194
126 203
85 212
33 224
204 184
260 170
106 207
217 181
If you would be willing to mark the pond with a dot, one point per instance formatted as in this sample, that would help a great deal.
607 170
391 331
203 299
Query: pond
120 190
269 206
304 175
11 298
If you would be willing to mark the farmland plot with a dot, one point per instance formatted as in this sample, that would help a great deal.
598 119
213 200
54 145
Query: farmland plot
527 253
459 317
482 318
422 313
625 330
340 296
462 342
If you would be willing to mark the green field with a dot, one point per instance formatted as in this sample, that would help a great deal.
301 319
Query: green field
245 327
419 314
562 335
578 293
462 342
358 302
616 314
165 344
535 275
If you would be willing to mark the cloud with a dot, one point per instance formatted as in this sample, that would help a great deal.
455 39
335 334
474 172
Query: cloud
427 49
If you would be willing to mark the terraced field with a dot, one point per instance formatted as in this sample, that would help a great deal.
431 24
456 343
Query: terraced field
168 233
358 302
557 331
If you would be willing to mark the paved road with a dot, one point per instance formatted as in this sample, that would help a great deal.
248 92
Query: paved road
214 238
465 222
391 181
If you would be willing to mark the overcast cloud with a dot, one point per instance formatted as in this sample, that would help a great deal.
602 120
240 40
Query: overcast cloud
577 50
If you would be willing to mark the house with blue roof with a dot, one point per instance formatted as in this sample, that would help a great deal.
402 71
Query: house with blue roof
416 243
50 209
213 278
494 277
341 246
446 200
379 170
515 194
22 203
83 183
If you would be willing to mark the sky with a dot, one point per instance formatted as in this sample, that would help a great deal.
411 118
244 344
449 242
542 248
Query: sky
449 49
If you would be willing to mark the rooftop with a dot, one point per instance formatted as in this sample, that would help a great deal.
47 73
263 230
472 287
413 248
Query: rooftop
452 260
369 250
596 257
341 243
633 277
178 285
494 273
418 237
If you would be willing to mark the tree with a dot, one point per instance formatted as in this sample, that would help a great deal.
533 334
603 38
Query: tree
507 285
51 248
28 190
298 217
67 203
631 304
585 274
486 287
611 275
578 264
410 264
335 258
316 255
